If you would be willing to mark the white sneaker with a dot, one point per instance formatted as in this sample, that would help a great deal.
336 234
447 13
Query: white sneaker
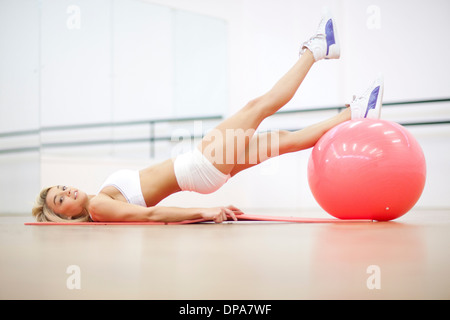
325 44
368 105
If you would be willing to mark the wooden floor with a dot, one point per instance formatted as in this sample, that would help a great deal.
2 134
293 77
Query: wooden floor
405 259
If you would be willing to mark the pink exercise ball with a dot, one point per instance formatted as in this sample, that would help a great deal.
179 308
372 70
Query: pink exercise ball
367 169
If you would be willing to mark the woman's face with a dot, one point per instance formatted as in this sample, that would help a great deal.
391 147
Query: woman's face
66 201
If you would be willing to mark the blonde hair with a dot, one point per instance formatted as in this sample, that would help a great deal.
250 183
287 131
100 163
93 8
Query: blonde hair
44 214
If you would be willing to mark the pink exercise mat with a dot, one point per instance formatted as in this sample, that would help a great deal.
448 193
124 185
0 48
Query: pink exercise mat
243 217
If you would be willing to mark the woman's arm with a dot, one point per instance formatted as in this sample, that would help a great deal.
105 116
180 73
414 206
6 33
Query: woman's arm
172 214
104 208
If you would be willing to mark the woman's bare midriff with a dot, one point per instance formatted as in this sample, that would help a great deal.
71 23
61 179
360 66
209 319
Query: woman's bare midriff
158 182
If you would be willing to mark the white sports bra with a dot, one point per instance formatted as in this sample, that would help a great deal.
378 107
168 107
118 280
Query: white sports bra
129 185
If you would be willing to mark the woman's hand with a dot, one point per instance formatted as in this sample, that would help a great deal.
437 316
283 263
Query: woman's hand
220 214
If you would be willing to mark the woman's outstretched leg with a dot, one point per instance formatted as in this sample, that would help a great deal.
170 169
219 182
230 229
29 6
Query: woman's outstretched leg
271 144
225 144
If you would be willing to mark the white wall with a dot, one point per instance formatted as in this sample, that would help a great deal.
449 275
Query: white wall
19 102
406 43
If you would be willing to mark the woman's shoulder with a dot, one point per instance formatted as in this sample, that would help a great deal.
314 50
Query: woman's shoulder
96 206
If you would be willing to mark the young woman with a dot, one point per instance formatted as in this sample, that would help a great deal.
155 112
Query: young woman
133 195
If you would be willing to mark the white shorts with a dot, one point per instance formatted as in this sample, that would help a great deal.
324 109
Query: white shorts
196 173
